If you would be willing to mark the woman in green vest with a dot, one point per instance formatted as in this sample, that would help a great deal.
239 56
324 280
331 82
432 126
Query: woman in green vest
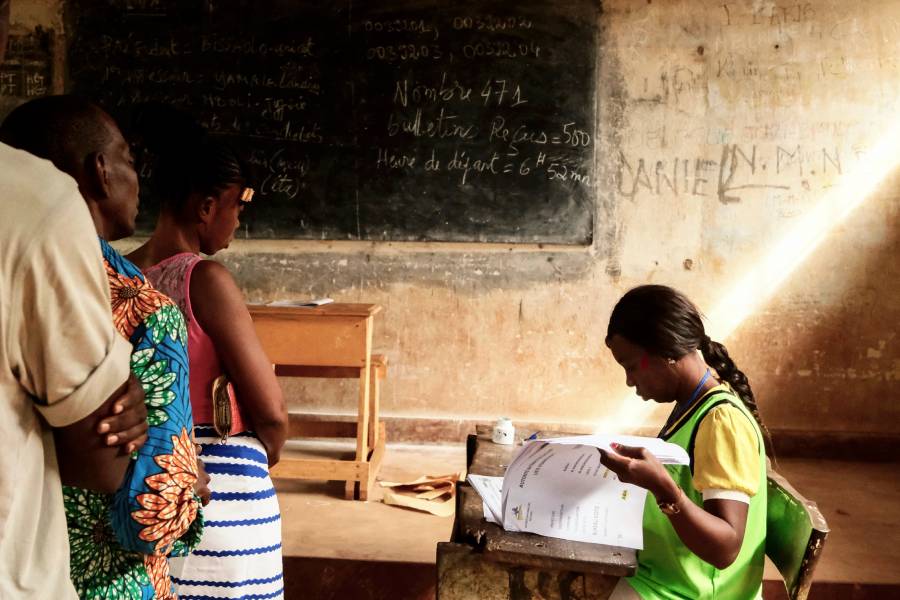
704 525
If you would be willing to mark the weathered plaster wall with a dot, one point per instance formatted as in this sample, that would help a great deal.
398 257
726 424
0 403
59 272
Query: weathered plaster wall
796 97
723 127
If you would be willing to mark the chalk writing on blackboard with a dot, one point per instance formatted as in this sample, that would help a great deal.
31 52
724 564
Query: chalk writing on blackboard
363 122
27 71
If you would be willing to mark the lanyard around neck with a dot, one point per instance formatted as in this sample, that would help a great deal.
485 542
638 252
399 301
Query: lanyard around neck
681 409
698 388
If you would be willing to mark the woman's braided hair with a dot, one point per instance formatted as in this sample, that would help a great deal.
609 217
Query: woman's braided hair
665 323
185 160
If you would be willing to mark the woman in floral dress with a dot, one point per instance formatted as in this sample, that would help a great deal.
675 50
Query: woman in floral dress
151 515
120 543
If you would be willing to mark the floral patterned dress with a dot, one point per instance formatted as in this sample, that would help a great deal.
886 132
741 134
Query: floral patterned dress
120 542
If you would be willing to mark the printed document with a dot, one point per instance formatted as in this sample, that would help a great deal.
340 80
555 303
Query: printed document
557 487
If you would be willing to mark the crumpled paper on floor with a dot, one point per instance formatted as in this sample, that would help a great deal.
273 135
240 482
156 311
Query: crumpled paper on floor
435 494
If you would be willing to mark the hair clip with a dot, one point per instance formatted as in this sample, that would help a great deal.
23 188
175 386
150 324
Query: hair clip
247 195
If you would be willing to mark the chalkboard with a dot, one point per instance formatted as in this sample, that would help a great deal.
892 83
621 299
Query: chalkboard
27 71
421 120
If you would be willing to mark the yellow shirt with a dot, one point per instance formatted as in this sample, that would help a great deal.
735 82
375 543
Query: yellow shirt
726 454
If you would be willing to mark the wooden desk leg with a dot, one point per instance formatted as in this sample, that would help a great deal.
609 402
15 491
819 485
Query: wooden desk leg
362 431
374 464
374 394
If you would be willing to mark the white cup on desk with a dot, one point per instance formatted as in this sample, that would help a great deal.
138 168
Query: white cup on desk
504 432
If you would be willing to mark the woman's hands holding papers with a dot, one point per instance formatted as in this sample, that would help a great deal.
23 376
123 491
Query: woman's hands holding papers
714 532
638 466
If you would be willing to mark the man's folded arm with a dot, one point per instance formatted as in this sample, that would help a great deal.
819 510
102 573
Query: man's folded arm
67 353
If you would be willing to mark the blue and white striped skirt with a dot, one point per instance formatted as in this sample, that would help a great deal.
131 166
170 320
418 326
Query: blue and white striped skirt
239 556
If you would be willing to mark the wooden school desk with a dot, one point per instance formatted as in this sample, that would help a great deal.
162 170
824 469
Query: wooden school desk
484 561
332 340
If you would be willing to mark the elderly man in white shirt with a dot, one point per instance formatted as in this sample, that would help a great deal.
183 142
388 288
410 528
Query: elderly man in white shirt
65 382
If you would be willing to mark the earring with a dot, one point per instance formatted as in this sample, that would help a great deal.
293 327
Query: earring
671 361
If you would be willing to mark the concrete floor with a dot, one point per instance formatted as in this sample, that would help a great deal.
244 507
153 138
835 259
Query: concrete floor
317 522
860 501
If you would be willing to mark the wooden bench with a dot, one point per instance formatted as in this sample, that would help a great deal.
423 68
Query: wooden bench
329 341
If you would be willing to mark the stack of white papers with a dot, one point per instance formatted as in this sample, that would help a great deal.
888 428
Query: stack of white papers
490 490
557 487
307 303
667 453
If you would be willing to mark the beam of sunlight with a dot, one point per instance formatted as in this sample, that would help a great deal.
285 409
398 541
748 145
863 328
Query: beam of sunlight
762 280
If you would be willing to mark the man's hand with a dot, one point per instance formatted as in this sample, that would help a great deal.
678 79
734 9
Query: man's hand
638 466
201 486
93 453
126 425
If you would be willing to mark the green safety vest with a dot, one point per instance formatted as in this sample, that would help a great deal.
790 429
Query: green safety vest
667 569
